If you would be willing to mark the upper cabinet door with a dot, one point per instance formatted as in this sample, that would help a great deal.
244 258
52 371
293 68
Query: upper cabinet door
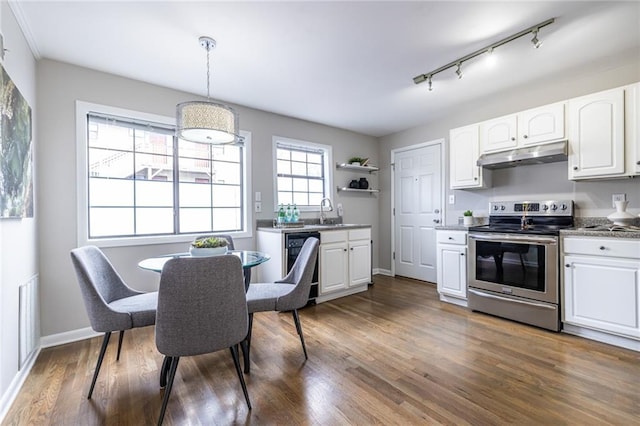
499 134
464 150
541 125
596 135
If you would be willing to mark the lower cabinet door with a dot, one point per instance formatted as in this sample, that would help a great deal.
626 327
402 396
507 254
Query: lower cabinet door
359 262
452 270
334 267
602 293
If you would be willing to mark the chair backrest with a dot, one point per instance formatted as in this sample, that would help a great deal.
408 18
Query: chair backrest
100 285
202 306
225 236
301 274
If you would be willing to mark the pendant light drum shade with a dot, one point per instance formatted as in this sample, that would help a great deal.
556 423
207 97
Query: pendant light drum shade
206 122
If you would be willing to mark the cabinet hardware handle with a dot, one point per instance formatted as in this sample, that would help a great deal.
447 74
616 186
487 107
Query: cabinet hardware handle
475 178
513 139
575 167
525 136
451 238
436 220
461 254
602 247
638 163
351 249
345 249
567 266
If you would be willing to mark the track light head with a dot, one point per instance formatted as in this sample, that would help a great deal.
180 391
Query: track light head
458 70
535 41
429 82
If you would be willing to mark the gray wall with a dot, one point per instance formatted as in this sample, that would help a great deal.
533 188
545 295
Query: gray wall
546 180
18 252
59 86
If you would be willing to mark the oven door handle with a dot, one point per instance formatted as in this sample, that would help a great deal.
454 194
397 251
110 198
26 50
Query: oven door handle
507 299
513 238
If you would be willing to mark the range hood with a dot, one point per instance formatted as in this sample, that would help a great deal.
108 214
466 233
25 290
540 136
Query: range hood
549 153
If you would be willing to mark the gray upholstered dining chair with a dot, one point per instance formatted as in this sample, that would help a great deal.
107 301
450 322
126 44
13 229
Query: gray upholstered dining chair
287 294
202 308
110 303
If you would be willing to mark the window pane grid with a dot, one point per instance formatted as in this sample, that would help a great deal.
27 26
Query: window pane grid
300 173
133 189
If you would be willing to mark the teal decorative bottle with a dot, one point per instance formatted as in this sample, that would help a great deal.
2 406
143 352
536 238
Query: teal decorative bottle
289 213
296 213
281 216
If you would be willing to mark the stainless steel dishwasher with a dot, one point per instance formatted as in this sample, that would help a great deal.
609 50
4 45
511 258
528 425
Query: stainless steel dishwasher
293 244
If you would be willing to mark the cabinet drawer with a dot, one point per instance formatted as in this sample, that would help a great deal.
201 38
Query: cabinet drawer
609 247
360 234
452 237
327 237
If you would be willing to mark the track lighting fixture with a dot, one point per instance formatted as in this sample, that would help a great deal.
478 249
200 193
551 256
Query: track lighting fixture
488 49
536 43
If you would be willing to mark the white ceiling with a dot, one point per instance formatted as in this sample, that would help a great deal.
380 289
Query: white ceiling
345 64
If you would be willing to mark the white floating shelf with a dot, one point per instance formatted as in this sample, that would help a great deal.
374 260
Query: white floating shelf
347 189
348 166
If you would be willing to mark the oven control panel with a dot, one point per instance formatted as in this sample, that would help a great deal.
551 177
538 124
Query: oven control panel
531 208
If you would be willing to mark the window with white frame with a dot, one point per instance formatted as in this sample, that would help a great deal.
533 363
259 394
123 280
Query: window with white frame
142 181
303 172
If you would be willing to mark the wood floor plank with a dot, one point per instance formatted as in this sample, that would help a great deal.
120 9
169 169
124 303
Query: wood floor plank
392 355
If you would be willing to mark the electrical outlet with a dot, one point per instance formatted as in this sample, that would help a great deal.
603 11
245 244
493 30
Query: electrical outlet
617 197
258 206
452 199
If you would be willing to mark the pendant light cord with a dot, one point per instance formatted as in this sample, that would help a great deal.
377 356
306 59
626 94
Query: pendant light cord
208 72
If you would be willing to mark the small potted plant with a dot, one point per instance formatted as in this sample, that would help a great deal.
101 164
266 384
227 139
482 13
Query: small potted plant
467 218
208 246
358 161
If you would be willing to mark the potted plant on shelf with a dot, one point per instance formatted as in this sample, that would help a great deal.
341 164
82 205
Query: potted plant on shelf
467 218
358 161
208 246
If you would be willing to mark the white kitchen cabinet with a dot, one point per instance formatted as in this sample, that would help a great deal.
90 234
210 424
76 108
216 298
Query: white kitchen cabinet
601 285
535 126
596 135
632 135
334 266
541 125
464 149
452 266
345 262
499 134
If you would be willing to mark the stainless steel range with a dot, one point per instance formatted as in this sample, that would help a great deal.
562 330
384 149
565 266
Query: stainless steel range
514 261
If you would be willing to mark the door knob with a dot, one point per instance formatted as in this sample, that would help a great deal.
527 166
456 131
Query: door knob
436 220
436 211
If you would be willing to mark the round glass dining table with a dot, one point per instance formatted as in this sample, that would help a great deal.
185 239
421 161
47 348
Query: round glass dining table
249 260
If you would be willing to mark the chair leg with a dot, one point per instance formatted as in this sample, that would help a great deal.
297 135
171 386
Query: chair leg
236 362
103 349
166 362
172 374
120 344
246 346
296 319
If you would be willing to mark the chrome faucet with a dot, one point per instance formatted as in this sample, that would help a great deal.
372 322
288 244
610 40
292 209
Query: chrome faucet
323 218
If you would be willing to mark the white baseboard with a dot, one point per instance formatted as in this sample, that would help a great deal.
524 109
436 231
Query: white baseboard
16 384
67 337
378 271
602 337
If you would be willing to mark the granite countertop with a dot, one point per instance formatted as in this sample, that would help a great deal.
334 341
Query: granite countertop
596 232
452 228
601 227
314 227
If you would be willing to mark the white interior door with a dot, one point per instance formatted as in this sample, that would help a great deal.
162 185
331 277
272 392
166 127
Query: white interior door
418 209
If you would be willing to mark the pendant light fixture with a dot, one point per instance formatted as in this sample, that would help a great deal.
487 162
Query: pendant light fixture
206 121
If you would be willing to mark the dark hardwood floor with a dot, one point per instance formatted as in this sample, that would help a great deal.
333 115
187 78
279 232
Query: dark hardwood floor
392 355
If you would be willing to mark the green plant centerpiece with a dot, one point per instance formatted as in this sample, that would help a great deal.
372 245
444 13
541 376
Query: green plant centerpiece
468 213
208 246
